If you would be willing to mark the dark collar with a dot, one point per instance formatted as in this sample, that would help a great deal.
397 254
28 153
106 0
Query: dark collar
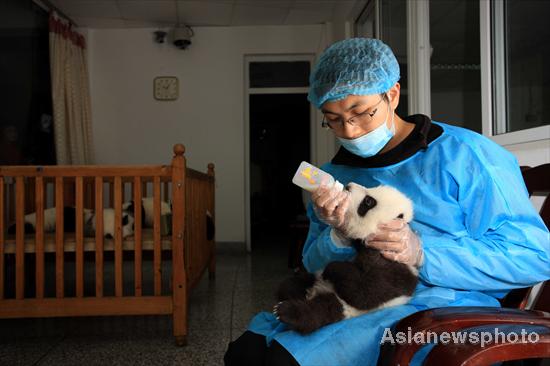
423 133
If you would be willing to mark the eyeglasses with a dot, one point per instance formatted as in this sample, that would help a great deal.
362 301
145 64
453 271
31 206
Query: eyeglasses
359 119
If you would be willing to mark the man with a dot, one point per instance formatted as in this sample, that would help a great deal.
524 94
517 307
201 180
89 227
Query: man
475 234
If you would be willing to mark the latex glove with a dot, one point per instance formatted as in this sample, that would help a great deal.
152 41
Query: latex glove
330 206
398 242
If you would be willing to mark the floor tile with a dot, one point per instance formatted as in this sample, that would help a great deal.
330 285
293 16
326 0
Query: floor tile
219 312
26 351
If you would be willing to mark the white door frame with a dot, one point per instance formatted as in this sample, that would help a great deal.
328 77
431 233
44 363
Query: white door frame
249 91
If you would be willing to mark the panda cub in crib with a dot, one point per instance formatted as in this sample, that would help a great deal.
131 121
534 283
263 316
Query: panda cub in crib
147 210
69 222
351 288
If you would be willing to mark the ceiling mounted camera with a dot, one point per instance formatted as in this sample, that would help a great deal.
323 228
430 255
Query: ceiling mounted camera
182 36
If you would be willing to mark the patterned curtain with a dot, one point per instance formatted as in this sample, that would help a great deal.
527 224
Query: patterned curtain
70 95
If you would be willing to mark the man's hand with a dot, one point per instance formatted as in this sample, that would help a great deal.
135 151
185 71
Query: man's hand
330 206
398 242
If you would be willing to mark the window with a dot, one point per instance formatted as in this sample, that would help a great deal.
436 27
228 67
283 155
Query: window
393 31
455 78
488 68
521 55
387 20
365 24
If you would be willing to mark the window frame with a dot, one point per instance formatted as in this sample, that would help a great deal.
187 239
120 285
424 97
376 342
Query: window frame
493 77
493 105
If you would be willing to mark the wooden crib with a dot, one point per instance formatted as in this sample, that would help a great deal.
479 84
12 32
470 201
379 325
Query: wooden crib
41 259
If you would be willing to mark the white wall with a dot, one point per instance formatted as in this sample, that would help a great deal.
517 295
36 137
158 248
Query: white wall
131 127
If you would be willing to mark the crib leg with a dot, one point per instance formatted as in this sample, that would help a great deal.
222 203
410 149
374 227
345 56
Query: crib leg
181 340
179 314
180 328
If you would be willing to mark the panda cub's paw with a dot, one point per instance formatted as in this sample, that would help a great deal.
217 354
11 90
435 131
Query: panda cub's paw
293 313
306 316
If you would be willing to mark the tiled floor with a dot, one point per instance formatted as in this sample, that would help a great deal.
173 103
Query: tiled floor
219 311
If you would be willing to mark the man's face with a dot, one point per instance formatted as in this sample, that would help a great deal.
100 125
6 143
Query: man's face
362 113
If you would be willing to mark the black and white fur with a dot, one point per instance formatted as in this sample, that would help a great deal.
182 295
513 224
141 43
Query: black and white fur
69 222
347 289
147 210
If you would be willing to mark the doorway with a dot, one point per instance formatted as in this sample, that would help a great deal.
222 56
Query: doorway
279 141
278 132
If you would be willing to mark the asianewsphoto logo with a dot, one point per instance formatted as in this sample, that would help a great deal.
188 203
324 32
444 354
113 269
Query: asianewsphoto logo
483 338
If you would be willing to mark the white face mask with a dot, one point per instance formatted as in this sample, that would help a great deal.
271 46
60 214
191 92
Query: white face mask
371 143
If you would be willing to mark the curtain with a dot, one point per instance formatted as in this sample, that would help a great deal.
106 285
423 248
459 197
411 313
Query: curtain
70 95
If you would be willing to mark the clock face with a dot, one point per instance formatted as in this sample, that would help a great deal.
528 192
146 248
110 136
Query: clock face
166 88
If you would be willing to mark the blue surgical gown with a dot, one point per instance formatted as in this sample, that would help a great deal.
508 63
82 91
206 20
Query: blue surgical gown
480 234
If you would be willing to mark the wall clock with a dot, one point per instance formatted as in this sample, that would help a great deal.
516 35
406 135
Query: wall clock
166 88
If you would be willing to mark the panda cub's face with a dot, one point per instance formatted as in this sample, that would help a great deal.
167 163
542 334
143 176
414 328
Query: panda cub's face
127 224
372 206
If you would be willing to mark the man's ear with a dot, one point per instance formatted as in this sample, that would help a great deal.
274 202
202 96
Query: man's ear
394 93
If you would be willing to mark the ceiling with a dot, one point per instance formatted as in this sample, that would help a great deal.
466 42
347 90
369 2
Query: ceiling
158 13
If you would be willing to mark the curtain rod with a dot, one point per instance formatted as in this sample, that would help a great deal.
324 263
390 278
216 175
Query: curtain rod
48 6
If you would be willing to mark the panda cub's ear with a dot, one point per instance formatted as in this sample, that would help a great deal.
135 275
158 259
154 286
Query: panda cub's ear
129 206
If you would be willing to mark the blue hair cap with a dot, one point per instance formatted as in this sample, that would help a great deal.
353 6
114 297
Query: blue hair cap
356 66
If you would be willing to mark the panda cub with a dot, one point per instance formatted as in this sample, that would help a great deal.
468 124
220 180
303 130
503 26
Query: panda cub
148 210
69 222
345 289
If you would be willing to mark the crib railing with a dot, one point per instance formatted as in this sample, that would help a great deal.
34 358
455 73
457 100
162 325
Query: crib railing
200 252
69 191
25 189
77 174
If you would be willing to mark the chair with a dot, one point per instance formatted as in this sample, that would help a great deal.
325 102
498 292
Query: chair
512 317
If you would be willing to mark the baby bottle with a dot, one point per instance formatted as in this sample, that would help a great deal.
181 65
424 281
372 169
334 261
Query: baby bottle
309 177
